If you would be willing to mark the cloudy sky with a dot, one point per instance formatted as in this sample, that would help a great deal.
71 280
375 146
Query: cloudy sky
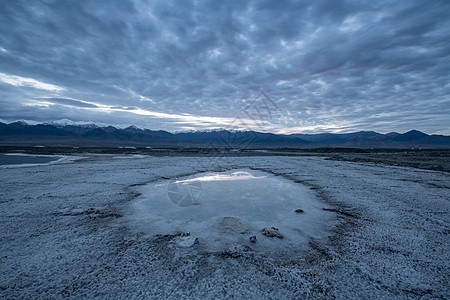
276 66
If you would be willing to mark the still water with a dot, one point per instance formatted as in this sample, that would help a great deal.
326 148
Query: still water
21 159
226 209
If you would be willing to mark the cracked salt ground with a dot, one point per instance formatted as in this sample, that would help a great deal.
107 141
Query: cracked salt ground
233 206
62 235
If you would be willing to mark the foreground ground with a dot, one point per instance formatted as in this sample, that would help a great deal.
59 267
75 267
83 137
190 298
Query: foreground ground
62 234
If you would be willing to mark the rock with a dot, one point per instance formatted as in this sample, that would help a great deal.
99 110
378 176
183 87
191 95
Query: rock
186 241
230 253
232 224
272 232
299 210
253 239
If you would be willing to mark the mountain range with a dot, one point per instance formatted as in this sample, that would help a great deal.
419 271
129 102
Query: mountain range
89 134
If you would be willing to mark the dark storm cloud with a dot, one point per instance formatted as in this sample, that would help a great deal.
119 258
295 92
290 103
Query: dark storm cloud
329 65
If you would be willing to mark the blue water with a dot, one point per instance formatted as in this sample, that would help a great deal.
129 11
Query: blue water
19 159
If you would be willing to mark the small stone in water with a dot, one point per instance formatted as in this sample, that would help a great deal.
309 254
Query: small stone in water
299 210
253 239
272 232
186 241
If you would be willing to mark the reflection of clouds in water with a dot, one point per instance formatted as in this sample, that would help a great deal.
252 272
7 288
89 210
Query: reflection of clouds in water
184 193
240 175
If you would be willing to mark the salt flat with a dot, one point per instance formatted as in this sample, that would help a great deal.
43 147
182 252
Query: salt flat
65 233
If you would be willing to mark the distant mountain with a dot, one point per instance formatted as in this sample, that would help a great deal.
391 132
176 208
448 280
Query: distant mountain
242 139
332 137
81 135
392 134
67 122
68 133
370 139
412 135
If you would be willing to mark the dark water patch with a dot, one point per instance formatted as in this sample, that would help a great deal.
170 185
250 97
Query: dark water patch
7 159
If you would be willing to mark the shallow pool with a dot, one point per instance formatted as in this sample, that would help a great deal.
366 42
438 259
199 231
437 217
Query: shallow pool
226 209
23 159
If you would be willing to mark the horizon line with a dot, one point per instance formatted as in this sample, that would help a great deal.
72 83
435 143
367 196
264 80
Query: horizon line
104 125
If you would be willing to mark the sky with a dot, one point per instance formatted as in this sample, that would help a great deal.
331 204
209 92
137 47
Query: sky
278 66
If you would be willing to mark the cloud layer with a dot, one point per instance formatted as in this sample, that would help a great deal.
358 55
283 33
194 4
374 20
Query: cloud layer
326 65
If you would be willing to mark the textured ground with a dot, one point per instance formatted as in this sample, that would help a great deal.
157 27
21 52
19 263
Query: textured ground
437 160
62 234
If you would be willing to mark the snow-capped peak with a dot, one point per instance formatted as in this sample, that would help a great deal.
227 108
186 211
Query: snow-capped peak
67 122
210 130
22 122
133 127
